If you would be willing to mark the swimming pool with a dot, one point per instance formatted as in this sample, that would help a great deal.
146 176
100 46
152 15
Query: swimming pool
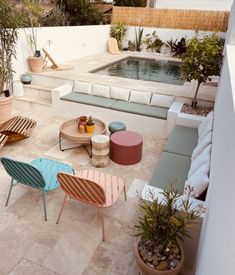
145 69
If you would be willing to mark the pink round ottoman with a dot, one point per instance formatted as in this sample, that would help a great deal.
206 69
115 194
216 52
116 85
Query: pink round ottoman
126 147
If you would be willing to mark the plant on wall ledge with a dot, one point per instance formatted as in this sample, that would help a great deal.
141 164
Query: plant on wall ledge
202 60
177 48
153 42
118 32
138 39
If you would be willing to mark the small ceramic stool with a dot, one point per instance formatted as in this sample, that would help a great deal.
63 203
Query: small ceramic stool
116 126
100 150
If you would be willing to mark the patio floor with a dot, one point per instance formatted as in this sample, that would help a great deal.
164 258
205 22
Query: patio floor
28 245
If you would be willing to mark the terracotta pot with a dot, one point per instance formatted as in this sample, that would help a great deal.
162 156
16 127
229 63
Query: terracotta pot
36 64
146 270
5 108
90 128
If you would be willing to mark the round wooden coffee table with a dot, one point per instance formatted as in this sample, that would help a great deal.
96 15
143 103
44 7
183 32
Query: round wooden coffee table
69 131
126 147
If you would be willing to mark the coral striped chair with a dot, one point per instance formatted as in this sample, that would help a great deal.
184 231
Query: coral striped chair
40 174
96 188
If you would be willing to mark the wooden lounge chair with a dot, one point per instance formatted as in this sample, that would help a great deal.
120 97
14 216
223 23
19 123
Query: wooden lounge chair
16 128
113 46
3 139
55 66
40 174
96 188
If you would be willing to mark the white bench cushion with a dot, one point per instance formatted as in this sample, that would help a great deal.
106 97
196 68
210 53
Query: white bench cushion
164 101
120 93
140 97
82 87
100 90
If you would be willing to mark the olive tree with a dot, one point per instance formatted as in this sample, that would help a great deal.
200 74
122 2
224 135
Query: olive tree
202 60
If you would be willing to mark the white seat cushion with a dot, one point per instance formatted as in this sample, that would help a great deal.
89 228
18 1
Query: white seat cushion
205 126
198 181
164 101
140 97
82 87
203 158
202 145
120 93
100 90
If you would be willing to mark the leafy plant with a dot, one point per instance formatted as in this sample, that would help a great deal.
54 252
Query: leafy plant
130 3
177 48
90 121
138 39
165 222
153 42
131 45
118 31
57 18
10 20
202 60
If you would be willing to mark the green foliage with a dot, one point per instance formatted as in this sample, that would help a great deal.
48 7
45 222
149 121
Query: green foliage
202 59
90 121
177 48
118 31
81 12
138 39
10 20
153 42
130 3
163 223
57 18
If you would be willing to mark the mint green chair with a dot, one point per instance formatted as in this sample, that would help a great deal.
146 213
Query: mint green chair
40 174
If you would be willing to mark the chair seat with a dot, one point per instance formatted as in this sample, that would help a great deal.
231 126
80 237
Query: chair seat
49 169
112 185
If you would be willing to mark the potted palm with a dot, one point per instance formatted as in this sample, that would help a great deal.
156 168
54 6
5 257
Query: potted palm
9 21
160 228
33 11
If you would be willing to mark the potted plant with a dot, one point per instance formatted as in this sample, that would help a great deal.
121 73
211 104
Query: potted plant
90 125
118 32
10 19
202 60
33 11
160 228
153 42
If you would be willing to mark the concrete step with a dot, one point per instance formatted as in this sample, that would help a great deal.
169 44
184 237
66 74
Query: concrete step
37 91
34 100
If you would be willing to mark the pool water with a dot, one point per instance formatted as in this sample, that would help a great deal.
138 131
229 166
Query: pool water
145 69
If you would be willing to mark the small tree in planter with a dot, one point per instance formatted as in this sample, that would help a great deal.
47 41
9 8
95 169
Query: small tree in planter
118 32
202 60
160 228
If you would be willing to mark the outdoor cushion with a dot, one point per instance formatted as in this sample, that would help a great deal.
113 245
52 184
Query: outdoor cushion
203 158
202 145
82 87
164 101
120 93
100 90
198 181
140 97
182 140
171 168
140 109
89 100
205 126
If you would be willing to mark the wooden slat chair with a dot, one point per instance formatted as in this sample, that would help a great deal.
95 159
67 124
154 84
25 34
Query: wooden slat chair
17 128
3 140
40 174
96 188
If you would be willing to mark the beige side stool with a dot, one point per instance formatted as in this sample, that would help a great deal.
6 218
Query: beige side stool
100 150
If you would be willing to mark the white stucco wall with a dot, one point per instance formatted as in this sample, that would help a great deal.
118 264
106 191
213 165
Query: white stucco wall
67 43
194 5
230 37
217 244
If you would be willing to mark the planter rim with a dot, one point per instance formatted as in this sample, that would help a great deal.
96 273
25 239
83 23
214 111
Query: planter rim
4 99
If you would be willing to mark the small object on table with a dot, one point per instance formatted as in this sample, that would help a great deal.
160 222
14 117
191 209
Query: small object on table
81 129
116 126
126 147
100 150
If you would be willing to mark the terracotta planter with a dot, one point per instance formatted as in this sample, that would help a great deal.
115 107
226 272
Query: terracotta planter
36 64
146 270
5 108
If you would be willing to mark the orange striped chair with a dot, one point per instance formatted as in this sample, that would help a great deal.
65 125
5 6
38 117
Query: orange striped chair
90 186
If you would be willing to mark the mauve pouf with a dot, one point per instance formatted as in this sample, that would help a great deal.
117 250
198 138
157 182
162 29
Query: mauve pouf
116 126
126 147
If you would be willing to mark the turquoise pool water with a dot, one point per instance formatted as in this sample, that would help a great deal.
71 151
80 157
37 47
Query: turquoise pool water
145 69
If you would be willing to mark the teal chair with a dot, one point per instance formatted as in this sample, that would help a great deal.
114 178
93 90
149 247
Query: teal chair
40 174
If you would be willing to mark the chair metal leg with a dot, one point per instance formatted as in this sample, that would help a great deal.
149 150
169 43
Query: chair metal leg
124 189
102 222
61 209
44 204
9 193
